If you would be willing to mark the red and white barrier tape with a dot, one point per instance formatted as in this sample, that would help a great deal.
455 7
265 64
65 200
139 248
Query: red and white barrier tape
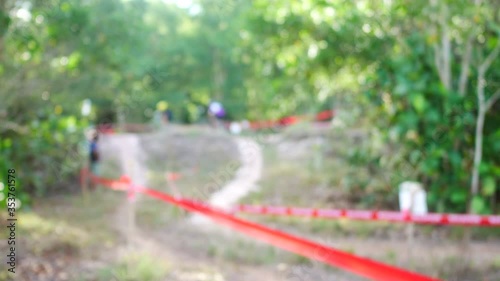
432 218
358 265
290 120
109 128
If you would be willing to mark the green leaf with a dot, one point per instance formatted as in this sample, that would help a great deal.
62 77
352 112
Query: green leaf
495 26
433 116
459 197
7 143
73 60
455 159
65 7
489 186
5 21
496 170
492 42
478 205
418 102
415 156
484 168
401 89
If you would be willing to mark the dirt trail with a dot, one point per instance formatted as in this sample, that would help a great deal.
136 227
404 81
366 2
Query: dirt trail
126 147
189 266
246 177
244 182
131 157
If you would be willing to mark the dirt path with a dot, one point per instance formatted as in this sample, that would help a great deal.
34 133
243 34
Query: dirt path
244 182
132 158
171 244
126 148
246 177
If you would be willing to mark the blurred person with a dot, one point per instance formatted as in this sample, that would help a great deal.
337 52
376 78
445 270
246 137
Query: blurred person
94 155
215 114
163 114
167 115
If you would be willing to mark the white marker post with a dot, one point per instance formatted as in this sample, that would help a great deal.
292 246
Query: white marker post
412 200
86 110
86 107
235 128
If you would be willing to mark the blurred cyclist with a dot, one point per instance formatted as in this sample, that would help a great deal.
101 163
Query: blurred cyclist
94 155
163 114
215 114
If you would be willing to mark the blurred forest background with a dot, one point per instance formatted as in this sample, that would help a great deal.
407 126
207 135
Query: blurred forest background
421 77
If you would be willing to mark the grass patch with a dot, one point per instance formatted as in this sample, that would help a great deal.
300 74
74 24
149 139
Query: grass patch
58 233
134 267
248 253
48 234
154 213
67 225
239 251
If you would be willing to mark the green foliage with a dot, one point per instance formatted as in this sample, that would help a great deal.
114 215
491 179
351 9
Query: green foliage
373 60
45 157
432 128
428 130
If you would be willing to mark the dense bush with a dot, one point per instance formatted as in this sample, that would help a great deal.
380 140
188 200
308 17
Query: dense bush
46 156
430 131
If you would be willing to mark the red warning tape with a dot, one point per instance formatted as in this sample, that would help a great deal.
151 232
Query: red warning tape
109 128
106 129
358 265
121 184
173 176
290 120
432 218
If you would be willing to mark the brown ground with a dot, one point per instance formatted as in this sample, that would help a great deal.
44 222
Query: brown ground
61 241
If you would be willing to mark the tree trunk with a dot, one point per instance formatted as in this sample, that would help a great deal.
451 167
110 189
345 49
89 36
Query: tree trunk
3 9
218 75
442 51
484 106
478 150
464 72
446 49
466 58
